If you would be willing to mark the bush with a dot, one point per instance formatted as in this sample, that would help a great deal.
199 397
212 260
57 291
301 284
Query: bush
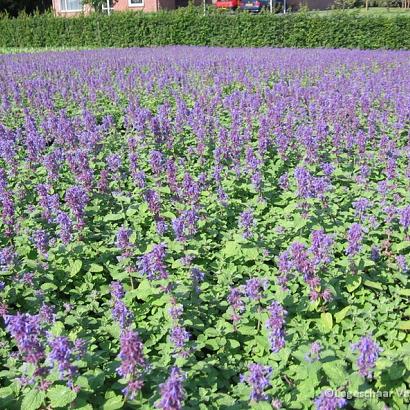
191 27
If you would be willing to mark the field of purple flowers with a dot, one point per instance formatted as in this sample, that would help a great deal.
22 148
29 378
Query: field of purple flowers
198 228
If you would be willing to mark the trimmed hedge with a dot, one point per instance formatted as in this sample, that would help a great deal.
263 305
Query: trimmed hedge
190 27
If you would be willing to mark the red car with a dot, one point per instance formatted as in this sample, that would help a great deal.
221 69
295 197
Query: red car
227 4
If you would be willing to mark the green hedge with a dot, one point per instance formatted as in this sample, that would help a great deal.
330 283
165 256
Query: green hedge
187 26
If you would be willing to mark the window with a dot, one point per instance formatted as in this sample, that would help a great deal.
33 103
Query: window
135 3
71 5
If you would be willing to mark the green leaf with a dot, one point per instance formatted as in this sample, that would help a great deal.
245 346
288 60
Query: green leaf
353 282
250 253
232 249
144 290
326 321
335 372
5 391
339 316
96 268
75 267
400 246
113 217
233 343
404 292
404 325
33 400
61 396
114 403
374 285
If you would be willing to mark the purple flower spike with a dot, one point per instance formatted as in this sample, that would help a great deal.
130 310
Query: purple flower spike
402 263
236 302
314 353
133 362
328 400
179 337
172 391
274 325
63 353
405 217
254 288
369 351
27 332
152 264
258 379
66 227
123 241
354 239
77 199
246 222
321 247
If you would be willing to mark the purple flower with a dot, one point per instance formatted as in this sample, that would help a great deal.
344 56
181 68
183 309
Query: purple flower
171 170
40 239
314 353
176 311
77 199
258 379
354 239
321 247
328 169
303 264
328 400
275 326
46 314
123 241
66 227
254 287
285 265
179 337
405 217
139 178
197 277
236 303
153 200
156 160
26 278
133 362
27 332
360 206
310 186
185 225
368 353
161 226
121 314
152 264
375 253
63 353
284 181
246 222
7 214
114 163
190 189
49 203
402 263
117 290
172 391
7 257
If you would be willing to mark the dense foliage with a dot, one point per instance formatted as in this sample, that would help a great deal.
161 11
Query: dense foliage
204 228
187 26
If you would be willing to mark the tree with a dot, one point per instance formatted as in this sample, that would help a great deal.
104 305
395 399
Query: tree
14 7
